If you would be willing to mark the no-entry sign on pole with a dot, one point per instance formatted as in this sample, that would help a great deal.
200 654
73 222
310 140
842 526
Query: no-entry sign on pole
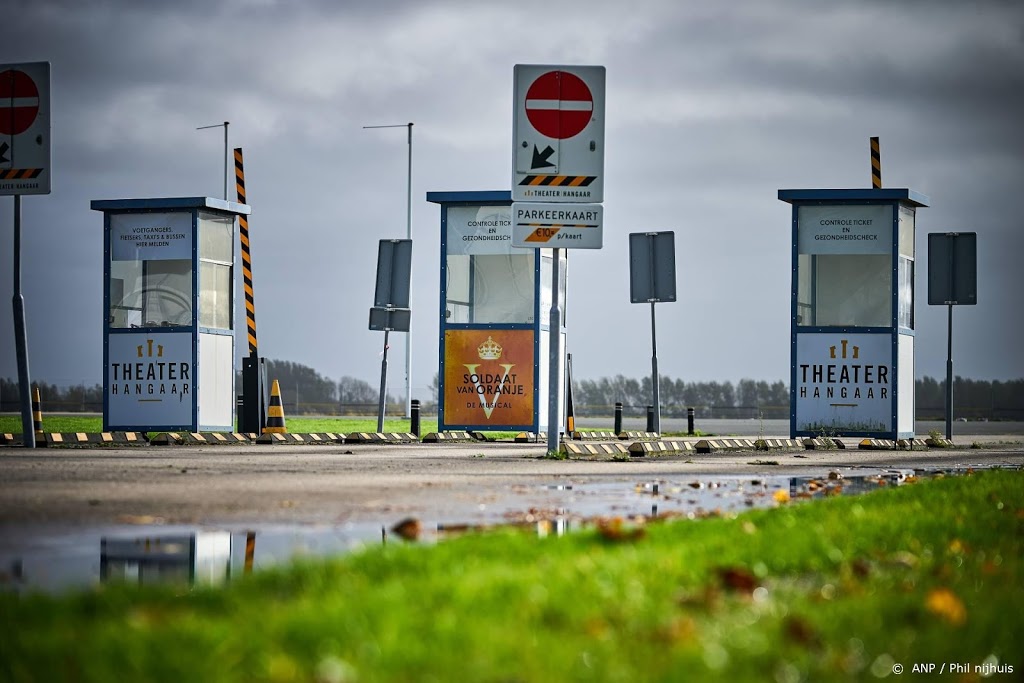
558 134
25 128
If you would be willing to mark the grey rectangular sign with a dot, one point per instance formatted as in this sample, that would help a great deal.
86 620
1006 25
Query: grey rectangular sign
394 263
652 267
394 319
953 268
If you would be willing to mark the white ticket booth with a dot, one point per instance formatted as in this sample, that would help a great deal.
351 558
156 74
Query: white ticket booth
168 301
494 323
852 329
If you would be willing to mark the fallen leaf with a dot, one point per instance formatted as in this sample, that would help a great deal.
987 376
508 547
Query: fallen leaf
615 529
737 579
945 604
408 529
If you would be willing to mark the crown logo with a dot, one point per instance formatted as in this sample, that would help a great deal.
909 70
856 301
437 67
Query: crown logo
489 350
149 349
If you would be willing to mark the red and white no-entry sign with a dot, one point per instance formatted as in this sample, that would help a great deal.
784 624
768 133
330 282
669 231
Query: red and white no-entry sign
558 133
19 102
25 128
559 104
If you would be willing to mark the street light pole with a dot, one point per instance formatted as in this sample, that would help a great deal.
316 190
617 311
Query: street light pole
225 125
408 235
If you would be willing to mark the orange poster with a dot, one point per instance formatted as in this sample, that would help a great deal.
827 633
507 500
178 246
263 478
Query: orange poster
488 377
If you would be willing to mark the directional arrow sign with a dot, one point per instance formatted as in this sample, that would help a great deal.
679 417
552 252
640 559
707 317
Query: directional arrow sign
562 226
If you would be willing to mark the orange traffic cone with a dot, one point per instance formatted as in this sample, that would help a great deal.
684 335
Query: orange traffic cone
37 414
275 412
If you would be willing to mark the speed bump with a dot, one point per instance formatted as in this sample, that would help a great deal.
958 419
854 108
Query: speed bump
877 445
448 437
715 445
381 437
826 443
530 437
569 448
594 436
625 436
639 449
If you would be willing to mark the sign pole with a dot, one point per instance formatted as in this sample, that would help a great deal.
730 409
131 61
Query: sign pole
383 384
28 435
949 374
654 373
554 354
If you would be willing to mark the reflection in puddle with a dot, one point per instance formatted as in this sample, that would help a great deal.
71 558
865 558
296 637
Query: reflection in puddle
57 560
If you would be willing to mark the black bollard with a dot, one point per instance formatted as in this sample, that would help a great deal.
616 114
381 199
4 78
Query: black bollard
618 417
414 416
650 418
689 421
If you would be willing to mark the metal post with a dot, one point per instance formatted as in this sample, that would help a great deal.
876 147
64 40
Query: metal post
28 435
949 375
650 418
618 417
408 333
226 153
408 234
554 355
689 421
656 424
383 384
414 418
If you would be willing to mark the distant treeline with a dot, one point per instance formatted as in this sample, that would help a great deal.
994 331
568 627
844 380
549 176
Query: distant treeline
304 391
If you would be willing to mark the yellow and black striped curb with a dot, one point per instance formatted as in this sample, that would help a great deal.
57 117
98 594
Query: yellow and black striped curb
640 449
558 180
20 173
212 438
776 444
594 436
530 437
448 437
381 437
890 445
823 444
290 439
625 436
56 439
715 445
569 448
938 443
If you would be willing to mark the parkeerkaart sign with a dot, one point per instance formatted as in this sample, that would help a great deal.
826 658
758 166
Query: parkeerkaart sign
150 380
479 230
844 383
151 236
488 377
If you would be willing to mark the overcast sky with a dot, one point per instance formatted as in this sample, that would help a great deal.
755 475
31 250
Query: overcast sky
711 109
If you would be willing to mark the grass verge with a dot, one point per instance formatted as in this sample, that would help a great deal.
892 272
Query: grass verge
841 589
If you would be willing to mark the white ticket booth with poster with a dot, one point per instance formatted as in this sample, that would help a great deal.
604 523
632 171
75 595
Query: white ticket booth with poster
852 316
168 298
493 365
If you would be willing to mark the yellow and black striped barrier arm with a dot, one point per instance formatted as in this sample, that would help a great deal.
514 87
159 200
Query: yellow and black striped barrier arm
243 231
876 165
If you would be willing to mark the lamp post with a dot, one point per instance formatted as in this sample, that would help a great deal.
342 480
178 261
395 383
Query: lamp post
225 125
408 235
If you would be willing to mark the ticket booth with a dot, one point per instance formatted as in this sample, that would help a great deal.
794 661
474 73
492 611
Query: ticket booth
168 301
852 325
495 298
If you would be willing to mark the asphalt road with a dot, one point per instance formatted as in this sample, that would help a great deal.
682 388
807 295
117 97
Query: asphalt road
327 484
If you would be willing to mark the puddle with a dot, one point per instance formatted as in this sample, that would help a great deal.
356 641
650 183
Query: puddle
54 560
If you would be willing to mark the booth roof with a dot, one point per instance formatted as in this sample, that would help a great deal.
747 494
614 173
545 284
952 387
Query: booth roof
471 197
883 195
169 203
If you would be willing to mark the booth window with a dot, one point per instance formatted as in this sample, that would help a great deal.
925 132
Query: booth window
216 249
150 270
486 280
906 267
844 281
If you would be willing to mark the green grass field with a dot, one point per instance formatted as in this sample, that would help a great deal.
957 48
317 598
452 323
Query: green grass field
845 588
